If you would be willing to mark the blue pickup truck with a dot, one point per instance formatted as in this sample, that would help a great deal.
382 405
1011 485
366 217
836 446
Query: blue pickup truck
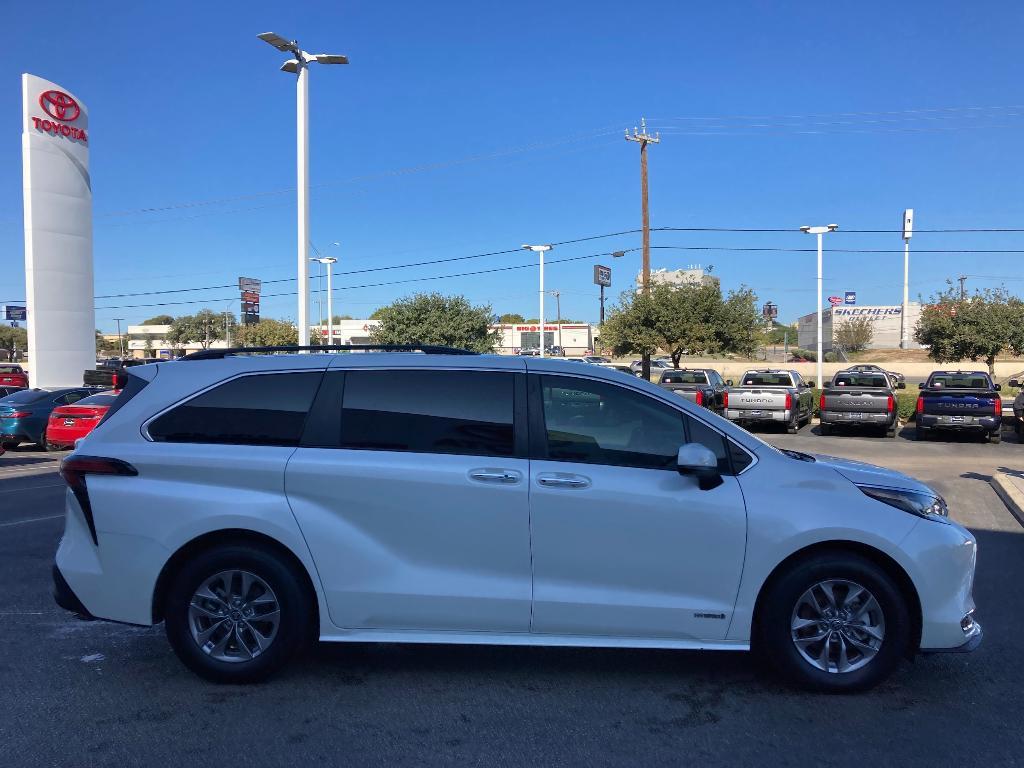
959 400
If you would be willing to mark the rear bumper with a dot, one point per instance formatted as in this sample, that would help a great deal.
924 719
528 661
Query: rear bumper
60 435
65 597
844 417
745 416
986 423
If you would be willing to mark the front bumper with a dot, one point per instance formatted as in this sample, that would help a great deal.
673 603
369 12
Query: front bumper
974 638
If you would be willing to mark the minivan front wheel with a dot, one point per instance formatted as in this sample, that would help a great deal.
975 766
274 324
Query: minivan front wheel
835 622
236 614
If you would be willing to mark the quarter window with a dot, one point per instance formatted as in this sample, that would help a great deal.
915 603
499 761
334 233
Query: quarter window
267 409
457 412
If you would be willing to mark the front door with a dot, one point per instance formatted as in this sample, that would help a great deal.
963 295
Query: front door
412 492
623 545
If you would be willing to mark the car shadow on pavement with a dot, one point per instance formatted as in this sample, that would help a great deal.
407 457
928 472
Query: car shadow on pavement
11 460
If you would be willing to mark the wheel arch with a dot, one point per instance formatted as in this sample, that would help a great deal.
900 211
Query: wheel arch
215 539
902 579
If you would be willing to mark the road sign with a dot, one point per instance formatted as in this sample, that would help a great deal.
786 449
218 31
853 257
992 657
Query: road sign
602 276
770 310
12 312
850 297
835 301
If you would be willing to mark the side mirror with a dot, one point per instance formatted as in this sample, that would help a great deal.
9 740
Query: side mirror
698 460
1014 383
728 382
901 385
920 385
999 387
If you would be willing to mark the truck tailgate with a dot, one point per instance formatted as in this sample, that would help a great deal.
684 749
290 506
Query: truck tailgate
856 400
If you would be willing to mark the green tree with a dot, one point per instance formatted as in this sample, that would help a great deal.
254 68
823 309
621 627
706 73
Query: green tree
854 334
103 346
431 318
511 318
267 333
159 320
680 319
13 338
204 328
981 326
339 318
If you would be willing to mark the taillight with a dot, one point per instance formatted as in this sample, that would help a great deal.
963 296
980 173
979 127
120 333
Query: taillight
891 404
700 398
725 399
74 470
16 415
920 405
789 401
821 402
999 407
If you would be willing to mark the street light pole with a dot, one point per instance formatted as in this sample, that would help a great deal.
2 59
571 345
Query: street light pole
299 65
558 314
329 261
819 231
540 250
908 231
120 343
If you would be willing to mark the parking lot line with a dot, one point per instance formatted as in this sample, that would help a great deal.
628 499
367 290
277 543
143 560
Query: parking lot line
30 520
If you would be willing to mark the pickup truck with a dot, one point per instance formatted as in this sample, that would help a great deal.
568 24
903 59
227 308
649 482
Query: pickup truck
862 399
770 395
1018 408
703 386
959 400
103 374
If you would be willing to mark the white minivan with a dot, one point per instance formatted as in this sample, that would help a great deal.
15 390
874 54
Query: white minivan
254 502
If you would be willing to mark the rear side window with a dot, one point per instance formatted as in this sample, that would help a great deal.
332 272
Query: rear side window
265 409
959 381
457 412
132 387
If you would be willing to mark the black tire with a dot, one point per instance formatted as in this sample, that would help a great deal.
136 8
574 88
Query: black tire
288 585
776 611
892 430
10 445
1019 427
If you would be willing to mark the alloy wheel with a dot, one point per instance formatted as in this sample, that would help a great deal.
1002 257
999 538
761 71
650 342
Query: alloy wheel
234 616
837 626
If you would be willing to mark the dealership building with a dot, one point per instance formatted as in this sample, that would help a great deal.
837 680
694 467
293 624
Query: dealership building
886 322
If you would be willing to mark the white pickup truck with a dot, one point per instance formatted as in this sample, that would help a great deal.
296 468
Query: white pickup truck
771 395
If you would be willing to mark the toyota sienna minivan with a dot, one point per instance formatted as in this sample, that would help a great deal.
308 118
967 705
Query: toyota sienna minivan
252 503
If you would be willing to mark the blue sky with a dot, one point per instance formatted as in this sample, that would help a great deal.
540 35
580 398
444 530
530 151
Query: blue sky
461 128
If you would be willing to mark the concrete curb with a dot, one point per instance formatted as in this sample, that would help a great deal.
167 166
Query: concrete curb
1012 496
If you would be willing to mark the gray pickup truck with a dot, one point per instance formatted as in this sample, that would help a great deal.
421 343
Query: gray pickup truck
703 386
771 395
859 398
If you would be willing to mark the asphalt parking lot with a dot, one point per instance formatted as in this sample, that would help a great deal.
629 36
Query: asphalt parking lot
93 693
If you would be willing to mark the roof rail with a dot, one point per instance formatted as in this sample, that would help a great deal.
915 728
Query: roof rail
427 349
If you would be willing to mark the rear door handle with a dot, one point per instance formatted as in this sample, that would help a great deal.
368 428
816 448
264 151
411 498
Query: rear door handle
563 481
503 476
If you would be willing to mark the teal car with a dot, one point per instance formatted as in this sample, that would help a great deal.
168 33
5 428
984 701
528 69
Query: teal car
23 415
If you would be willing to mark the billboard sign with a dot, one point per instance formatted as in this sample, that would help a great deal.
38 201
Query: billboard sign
602 276
850 297
12 312
57 188
250 284
835 300
770 310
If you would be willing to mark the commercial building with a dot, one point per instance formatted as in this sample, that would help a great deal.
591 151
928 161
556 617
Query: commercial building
151 341
689 276
886 324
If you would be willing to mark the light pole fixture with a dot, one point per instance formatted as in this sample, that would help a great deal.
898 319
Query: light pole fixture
329 261
299 65
819 231
540 250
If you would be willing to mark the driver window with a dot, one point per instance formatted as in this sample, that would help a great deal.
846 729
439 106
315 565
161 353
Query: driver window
597 423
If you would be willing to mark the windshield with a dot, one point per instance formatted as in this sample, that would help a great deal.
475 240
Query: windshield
767 380
684 377
859 380
10 369
959 381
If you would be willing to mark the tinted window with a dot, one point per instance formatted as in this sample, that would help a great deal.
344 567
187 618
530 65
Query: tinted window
683 377
598 423
69 398
960 381
767 380
104 399
460 412
699 432
11 369
26 396
860 380
268 409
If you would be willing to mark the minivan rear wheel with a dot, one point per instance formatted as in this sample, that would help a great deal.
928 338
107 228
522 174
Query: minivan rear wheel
835 622
236 614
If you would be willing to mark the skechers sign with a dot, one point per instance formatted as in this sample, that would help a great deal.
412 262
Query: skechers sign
63 109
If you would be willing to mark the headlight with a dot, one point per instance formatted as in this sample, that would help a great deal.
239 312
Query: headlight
921 504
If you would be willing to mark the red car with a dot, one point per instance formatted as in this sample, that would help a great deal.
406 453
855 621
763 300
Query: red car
12 375
69 423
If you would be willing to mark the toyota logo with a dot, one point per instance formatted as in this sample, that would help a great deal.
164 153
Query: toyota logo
59 105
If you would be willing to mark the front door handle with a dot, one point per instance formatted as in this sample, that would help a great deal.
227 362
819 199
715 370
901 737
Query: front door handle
503 476
563 481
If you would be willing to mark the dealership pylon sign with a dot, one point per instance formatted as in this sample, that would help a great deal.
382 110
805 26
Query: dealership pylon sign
58 233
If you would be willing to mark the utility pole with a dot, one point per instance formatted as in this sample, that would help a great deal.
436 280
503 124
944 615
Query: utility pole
908 231
643 139
558 314
962 279
120 343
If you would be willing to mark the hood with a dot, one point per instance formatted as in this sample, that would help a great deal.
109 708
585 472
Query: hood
861 473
